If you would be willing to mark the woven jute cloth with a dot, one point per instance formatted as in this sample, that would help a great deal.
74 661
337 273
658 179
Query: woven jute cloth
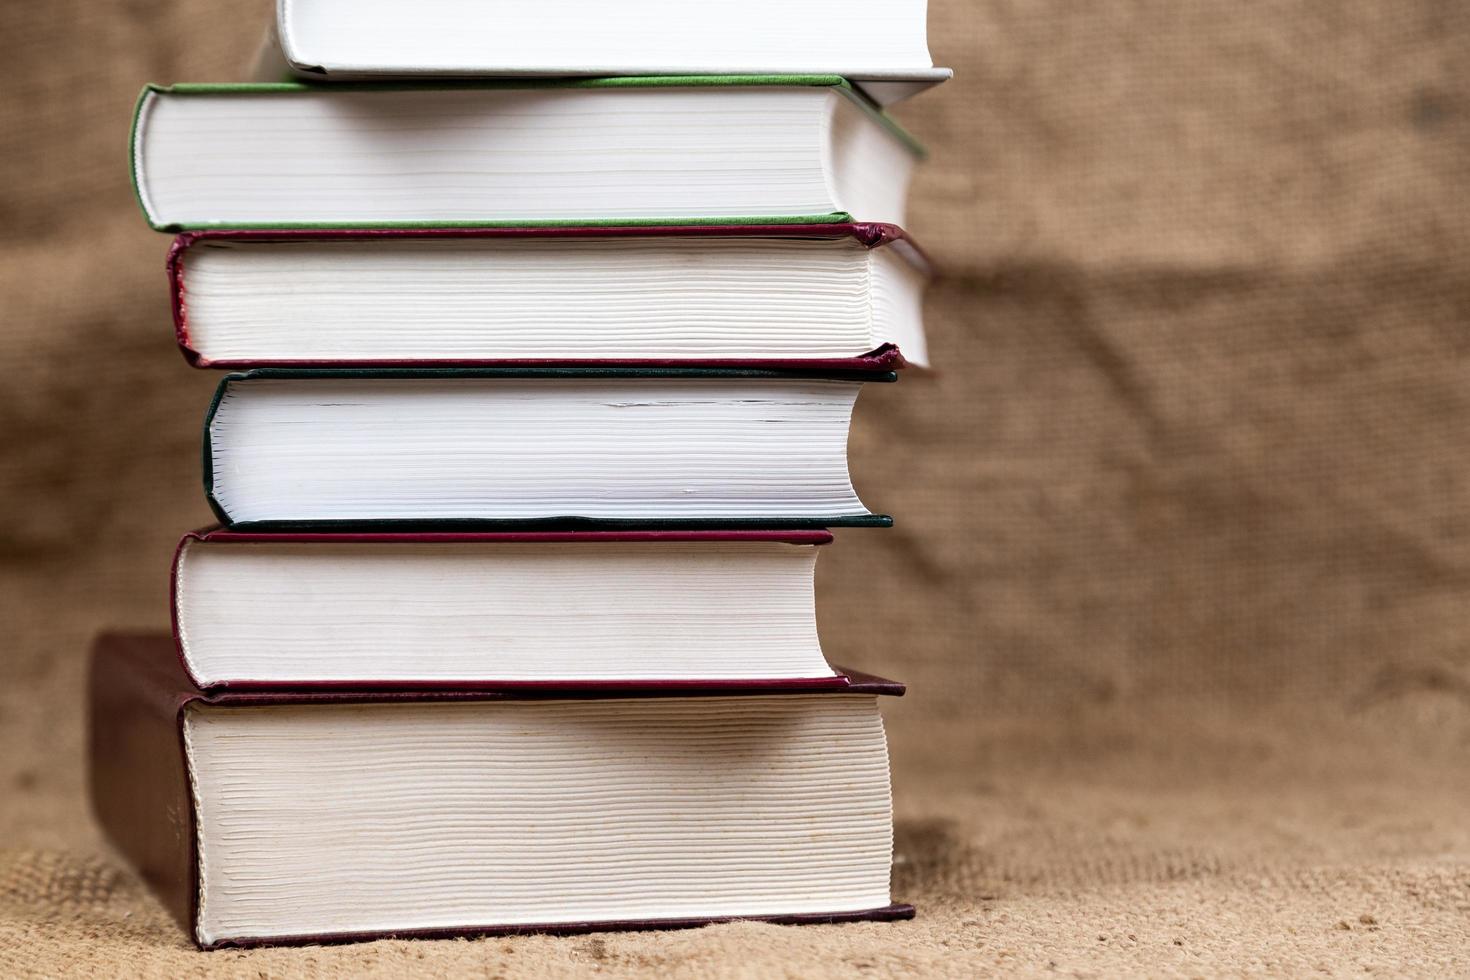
1181 575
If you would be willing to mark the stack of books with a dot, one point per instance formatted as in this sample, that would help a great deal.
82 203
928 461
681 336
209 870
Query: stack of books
540 423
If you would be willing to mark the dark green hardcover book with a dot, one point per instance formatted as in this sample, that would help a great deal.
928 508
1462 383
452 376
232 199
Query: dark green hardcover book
727 149
547 448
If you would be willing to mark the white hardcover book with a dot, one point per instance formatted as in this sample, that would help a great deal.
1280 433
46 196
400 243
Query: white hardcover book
880 45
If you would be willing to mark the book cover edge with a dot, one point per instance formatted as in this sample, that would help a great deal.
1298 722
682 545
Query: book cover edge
893 912
871 235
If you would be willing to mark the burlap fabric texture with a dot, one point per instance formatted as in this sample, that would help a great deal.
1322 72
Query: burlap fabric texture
1182 562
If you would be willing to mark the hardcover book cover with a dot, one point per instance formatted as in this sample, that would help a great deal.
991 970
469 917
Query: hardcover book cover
870 234
553 523
143 798
153 92
285 53
220 535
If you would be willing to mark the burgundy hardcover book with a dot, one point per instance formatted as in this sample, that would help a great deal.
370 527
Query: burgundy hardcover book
506 610
313 816
837 296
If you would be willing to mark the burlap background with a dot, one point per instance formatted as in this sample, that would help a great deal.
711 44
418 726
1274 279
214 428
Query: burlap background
1182 562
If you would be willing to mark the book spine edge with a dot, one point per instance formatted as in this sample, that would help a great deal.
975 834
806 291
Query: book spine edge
175 581
206 449
894 912
281 36
179 300
138 778
135 153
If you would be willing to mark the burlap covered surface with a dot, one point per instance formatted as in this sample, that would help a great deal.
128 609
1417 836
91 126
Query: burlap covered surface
1182 562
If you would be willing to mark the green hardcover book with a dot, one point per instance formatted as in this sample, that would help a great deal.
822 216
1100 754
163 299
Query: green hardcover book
475 448
761 149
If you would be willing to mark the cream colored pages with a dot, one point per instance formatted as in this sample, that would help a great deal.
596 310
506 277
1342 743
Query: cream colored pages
290 613
525 298
328 819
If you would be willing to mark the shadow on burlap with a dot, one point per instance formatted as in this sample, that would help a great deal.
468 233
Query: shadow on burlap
1180 576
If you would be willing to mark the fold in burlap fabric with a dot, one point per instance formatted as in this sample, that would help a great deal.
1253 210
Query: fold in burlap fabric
1181 570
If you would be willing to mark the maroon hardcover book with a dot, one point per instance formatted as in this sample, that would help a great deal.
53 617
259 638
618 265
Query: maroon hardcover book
226 536
886 357
143 795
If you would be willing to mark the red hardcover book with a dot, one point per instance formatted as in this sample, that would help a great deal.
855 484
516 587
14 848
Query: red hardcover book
834 296
510 610
310 816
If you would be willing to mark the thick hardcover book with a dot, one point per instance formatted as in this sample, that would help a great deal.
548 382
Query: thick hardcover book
605 609
823 296
533 449
880 47
751 149
308 817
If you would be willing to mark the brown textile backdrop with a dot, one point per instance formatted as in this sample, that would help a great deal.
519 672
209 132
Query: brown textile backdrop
1181 576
